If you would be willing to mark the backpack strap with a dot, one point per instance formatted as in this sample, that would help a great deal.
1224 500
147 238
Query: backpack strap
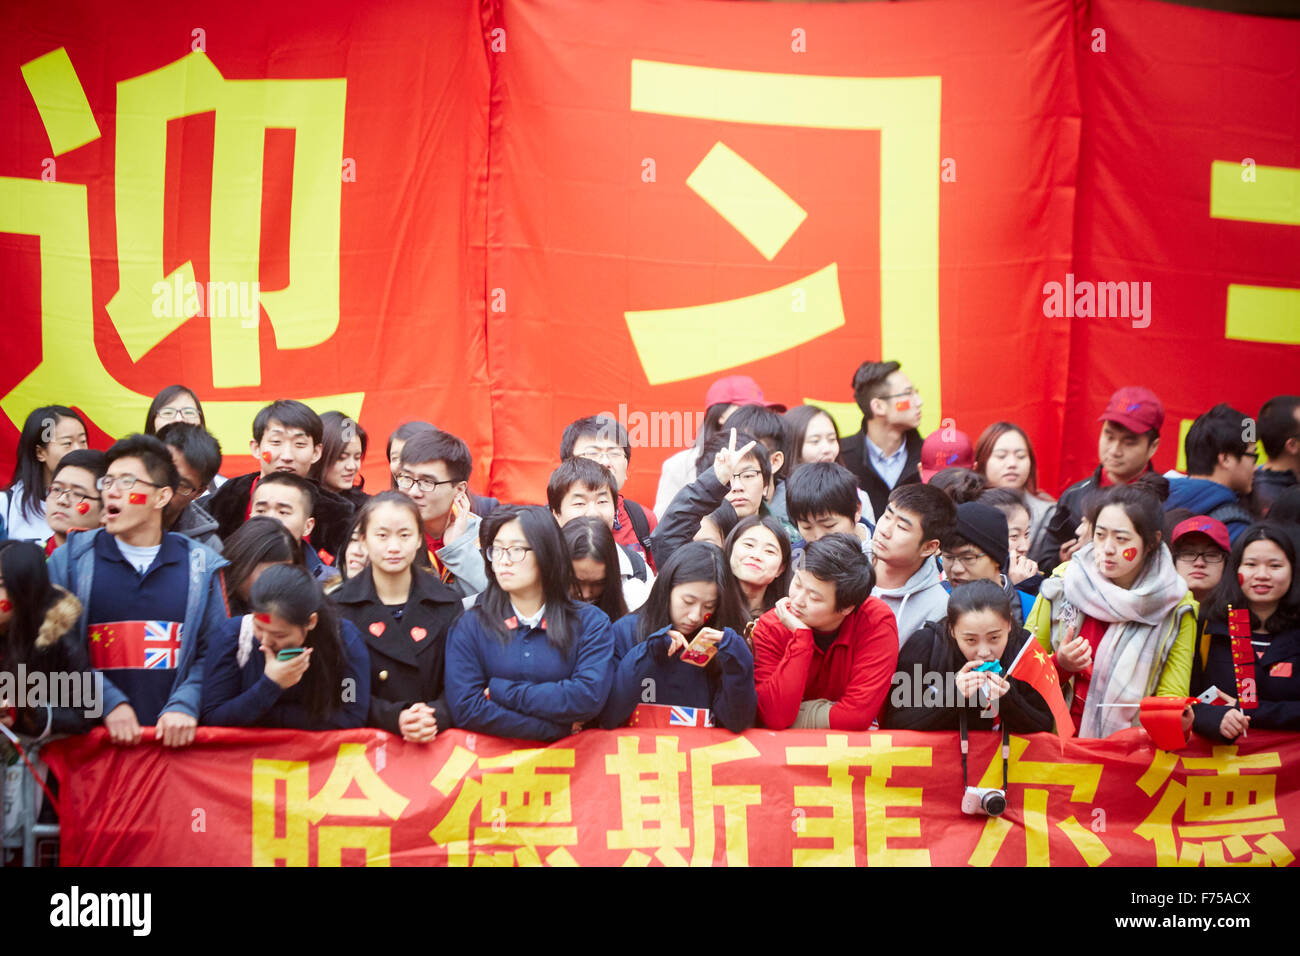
639 566
640 523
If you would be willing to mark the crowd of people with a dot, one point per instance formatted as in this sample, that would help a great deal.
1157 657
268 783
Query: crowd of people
785 577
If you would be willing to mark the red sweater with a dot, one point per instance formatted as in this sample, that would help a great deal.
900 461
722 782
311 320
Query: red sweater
855 671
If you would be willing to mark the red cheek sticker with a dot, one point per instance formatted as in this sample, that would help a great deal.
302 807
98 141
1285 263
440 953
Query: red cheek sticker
83 507
6 607
264 618
903 406
1128 554
138 497
266 457
1241 579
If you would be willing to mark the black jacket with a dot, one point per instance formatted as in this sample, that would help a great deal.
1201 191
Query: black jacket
333 513
916 699
1268 485
403 671
1065 517
853 455
1277 681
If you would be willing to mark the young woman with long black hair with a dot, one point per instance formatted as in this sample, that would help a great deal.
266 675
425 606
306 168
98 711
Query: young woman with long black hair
597 577
1119 621
38 623
49 433
683 648
403 611
528 660
259 543
757 552
980 628
290 663
1264 673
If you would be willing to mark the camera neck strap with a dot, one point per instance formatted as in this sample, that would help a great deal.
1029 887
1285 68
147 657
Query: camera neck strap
965 747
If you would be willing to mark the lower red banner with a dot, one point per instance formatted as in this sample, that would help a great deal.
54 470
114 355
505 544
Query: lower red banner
641 797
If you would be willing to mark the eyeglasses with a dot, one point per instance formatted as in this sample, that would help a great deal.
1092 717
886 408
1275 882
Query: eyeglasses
514 554
186 490
57 491
1209 557
965 560
603 454
125 482
749 475
189 414
906 393
1252 455
405 482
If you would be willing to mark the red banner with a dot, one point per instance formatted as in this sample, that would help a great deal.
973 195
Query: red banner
501 215
635 798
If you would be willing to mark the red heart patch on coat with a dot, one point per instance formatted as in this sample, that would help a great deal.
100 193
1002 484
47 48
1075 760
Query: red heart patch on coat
418 633
377 628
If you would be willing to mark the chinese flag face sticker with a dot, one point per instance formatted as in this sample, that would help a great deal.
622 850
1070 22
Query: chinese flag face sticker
138 497
903 405
83 507
1129 553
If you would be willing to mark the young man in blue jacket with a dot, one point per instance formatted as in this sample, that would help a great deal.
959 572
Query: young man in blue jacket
1220 469
151 598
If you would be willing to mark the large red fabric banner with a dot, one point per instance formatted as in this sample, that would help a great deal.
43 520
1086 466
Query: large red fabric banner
499 215
257 200
636 797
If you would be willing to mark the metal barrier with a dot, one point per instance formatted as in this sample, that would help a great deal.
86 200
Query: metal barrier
32 799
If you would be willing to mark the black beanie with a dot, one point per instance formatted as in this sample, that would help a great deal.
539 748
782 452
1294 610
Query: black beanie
985 527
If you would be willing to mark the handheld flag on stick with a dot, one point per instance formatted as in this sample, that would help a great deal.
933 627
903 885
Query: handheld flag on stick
1035 668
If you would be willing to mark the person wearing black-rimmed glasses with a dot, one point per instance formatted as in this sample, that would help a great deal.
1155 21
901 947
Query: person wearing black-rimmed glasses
152 599
434 473
886 452
72 500
528 660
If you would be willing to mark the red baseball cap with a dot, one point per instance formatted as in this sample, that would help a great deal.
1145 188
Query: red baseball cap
938 453
1136 408
738 390
1215 530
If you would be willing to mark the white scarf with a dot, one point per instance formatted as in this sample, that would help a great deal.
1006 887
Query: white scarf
1140 634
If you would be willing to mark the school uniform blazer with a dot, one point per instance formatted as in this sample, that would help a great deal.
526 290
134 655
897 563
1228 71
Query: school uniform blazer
403 670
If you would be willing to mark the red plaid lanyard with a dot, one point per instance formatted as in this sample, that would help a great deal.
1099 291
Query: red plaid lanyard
1243 657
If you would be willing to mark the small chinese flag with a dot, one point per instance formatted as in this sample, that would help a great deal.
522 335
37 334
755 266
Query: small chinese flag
1035 668
1238 622
1162 719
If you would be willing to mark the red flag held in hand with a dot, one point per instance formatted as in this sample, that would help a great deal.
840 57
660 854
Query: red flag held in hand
1162 719
1035 668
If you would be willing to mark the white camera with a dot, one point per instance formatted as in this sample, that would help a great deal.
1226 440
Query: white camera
984 801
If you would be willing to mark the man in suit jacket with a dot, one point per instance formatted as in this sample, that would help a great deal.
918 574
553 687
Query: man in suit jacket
886 453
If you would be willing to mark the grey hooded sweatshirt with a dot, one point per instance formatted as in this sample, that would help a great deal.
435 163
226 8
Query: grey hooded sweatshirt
920 600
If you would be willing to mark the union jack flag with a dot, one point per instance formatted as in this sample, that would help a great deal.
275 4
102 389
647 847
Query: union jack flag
690 717
162 644
662 716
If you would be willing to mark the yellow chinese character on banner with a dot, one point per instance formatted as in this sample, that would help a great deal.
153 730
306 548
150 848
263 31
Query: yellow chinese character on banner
651 810
1082 779
149 304
689 341
880 756
510 805
301 813
1228 818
